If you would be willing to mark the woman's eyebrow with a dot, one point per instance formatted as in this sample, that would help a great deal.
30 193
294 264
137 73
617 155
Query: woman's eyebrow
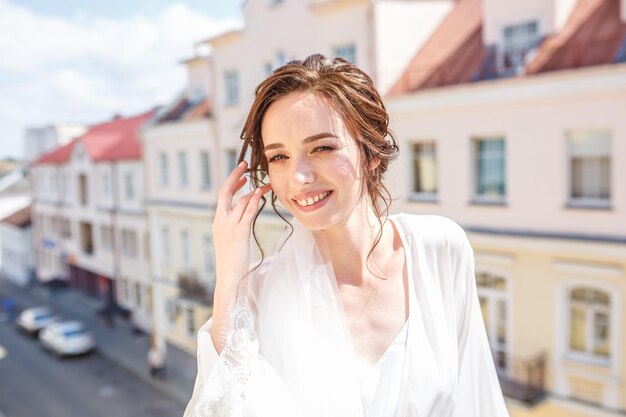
306 140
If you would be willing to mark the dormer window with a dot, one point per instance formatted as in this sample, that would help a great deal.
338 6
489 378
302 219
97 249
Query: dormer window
518 41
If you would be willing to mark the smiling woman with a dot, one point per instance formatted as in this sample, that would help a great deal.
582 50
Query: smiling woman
359 313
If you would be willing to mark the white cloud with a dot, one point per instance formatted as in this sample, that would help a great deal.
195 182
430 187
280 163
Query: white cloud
57 70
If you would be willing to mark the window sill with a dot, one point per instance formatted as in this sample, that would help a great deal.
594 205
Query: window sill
479 201
589 205
423 198
587 359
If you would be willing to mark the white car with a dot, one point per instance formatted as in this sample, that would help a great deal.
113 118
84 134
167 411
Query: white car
32 320
67 338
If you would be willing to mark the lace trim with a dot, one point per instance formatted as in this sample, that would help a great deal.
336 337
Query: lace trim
224 392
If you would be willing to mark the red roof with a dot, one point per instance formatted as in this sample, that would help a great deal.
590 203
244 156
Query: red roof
117 139
455 54
592 36
184 109
58 156
450 55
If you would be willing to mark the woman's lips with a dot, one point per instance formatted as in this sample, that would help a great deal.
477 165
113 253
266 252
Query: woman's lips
313 202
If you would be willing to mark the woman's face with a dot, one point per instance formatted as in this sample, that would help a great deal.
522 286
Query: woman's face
314 163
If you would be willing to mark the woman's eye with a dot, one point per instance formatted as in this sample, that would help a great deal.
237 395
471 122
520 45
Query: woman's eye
276 158
323 148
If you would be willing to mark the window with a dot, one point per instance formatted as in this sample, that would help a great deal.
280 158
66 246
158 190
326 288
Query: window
106 235
146 246
589 322
129 243
191 322
231 160
184 249
590 168
207 243
425 169
269 68
62 185
172 309
347 52
137 295
106 186
66 229
82 183
205 170
490 169
493 304
86 238
518 40
165 244
182 169
129 186
163 168
231 83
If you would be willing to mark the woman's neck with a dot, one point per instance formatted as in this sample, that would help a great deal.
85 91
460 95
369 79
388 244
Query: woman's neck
348 244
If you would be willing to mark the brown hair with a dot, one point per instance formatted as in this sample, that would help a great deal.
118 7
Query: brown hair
352 94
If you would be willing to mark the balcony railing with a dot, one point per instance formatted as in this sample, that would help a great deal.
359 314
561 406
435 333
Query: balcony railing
189 286
524 379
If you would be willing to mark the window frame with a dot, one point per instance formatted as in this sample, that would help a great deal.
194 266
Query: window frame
421 195
477 198
339 51
231 87
586 202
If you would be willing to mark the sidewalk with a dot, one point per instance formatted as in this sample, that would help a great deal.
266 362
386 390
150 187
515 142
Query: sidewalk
118 343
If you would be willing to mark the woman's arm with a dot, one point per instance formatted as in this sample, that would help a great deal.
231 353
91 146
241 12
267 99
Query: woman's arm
478 390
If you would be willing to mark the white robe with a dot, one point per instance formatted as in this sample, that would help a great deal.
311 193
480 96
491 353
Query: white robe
300 368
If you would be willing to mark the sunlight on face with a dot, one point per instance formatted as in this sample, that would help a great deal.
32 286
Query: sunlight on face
314 162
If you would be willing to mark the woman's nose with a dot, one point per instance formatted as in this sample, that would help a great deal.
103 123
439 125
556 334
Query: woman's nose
303 172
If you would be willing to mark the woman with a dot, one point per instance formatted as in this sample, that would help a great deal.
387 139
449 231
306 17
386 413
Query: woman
358 313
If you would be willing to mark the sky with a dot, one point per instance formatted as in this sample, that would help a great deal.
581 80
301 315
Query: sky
71 61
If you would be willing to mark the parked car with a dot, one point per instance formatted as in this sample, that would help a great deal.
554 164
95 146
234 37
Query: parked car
32 320
67 338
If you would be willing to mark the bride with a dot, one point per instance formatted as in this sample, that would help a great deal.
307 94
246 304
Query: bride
358 313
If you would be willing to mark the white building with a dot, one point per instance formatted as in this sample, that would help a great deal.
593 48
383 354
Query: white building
16 249
89 222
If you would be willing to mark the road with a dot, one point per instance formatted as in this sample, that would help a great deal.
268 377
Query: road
34 383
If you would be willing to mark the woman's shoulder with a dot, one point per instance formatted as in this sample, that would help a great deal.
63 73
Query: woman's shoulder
431 229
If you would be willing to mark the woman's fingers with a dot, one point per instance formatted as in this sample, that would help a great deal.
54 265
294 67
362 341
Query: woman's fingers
233 183
249 201
253 205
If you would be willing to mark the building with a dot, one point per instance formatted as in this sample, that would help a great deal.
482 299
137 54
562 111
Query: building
41 140
89 222
511 120
194 143
16 250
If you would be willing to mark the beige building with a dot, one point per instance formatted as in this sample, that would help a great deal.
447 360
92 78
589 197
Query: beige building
512 121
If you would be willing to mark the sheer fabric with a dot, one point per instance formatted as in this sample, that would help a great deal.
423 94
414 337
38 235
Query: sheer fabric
288 351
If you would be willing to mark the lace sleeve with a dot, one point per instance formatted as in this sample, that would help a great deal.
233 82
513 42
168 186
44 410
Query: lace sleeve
223 392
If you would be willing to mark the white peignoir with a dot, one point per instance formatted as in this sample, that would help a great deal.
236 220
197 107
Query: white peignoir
288 352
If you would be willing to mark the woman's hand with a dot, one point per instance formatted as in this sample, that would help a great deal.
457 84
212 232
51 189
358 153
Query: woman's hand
231 235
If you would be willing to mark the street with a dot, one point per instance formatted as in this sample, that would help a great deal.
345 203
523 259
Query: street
35 383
